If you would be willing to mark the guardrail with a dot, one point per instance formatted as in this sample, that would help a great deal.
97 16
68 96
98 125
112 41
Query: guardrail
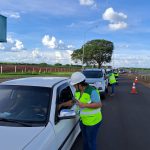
141 77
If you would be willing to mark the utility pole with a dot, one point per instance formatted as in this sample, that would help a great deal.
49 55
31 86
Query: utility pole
83 52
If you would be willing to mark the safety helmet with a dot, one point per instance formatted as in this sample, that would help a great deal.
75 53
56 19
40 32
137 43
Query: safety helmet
77 77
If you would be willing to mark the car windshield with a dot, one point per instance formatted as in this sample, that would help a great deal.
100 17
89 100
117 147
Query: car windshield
24 103
93 74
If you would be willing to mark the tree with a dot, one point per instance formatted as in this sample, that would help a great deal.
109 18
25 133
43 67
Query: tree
57 64
95 52
43 64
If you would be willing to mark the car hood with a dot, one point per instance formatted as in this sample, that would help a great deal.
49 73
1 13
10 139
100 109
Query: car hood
93 80
16 138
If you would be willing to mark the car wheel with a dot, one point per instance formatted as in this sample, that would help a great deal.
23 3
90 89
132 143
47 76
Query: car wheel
103 96
106 91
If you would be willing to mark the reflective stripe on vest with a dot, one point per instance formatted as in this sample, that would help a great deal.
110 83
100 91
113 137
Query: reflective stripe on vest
89 112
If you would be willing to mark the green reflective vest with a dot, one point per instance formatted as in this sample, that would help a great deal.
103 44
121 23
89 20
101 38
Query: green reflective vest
112 79
88 116
116 74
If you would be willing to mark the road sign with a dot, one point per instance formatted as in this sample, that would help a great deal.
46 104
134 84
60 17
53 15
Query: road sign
3 28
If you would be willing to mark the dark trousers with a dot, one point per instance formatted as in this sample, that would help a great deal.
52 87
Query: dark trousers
89 134
113 88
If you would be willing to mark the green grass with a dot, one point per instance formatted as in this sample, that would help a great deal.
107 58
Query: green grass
29 74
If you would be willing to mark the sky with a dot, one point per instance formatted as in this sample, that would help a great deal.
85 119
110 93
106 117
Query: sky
48 31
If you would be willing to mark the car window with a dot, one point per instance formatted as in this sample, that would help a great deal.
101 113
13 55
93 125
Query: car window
93 74
64 98
23 103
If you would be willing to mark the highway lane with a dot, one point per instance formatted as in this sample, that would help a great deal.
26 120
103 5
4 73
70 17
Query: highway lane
126 120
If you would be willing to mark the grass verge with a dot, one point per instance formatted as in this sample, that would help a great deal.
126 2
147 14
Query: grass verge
29 74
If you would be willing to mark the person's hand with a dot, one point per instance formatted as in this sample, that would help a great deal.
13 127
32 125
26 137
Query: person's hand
81 105
69 103
65 104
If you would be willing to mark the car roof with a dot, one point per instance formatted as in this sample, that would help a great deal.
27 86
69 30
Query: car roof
93 69
35 81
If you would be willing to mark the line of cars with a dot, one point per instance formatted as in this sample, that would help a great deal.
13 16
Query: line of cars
30 116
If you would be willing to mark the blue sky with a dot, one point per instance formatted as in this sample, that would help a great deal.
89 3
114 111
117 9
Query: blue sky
49 30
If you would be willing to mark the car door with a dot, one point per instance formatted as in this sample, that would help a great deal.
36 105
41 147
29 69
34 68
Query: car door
106 81
66 130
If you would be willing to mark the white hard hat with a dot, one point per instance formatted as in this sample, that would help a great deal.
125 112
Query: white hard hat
77 77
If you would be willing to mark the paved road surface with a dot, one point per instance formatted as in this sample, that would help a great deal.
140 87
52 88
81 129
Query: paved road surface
126 120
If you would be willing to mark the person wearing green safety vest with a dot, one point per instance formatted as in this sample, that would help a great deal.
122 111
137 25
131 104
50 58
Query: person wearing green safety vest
89 103
112 82
116 76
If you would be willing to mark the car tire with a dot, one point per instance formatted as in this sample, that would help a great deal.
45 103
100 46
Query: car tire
106 91
103 96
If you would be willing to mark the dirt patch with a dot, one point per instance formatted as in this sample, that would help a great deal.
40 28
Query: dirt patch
140 80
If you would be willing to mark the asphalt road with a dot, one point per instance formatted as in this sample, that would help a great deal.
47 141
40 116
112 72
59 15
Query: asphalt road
126 120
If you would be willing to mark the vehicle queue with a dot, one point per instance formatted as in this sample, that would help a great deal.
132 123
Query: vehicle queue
49 112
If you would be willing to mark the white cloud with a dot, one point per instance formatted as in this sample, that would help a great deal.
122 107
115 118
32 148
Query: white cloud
117 26
18 45
113 16
115 19
53 43
2 47
61 42
64 57
87 2
11 14
132 60
58 55
12 45
37 56
70 46
49 42
125 56
10 40
118 46
87 24
36 53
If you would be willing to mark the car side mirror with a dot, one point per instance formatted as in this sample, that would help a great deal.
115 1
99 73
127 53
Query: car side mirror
67 114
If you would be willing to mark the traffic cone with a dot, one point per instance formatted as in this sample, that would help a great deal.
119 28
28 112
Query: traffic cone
136 80
133 90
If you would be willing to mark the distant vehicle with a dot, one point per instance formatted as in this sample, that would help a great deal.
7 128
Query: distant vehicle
30 118
108 69
122 71
96 77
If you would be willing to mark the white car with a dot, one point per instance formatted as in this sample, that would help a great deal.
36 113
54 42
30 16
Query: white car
96 77
30 118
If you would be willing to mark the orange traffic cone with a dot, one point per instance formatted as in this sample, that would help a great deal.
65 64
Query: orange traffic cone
133 90
136 80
